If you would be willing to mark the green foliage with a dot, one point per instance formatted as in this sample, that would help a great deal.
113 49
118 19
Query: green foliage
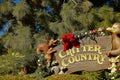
44 3
86 19
105 20
11 77
86 6
20 40
73 18
69 16
93 75
69 77
117 17
84 75
39 38
106 10
58 28
21 10
78 15
29 62
43 19
10 63
6 7
42 70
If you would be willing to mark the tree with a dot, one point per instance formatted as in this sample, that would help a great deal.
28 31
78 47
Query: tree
75 16
117 17
21 10
6 7
105 20
19 41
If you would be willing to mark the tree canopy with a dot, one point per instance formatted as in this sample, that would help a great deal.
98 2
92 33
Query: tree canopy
38 17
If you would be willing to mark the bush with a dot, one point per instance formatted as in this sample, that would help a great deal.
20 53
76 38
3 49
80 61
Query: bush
82 75
13 62
11 77
9 64
67 77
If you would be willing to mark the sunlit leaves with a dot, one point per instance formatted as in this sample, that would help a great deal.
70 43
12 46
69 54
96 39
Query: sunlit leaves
85 19
117 17
59 28
106 12
21 10
6 7
42 17
86 6
76 17
104 23
106 16
68 14
45 3
21 40
9 63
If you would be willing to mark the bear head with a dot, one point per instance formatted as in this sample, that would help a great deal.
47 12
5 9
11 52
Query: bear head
115 28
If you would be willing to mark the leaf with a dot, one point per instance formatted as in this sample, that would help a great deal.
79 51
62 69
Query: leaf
106 10
86 6
21 10
6 7
21 41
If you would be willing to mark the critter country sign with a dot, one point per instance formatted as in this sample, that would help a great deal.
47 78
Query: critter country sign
84 53
89 57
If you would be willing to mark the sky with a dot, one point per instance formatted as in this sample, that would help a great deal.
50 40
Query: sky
5 28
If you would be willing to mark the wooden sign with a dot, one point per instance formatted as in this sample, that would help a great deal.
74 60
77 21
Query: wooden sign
90 56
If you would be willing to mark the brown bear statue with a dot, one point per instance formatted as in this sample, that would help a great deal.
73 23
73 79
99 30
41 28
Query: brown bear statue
115 30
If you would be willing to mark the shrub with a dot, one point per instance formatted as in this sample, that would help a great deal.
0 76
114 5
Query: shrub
11 77
9 64
67 77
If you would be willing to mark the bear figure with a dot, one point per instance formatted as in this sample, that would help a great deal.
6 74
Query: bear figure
47 49
115 30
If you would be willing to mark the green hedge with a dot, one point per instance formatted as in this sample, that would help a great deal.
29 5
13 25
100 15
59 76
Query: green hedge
11 77
67 77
